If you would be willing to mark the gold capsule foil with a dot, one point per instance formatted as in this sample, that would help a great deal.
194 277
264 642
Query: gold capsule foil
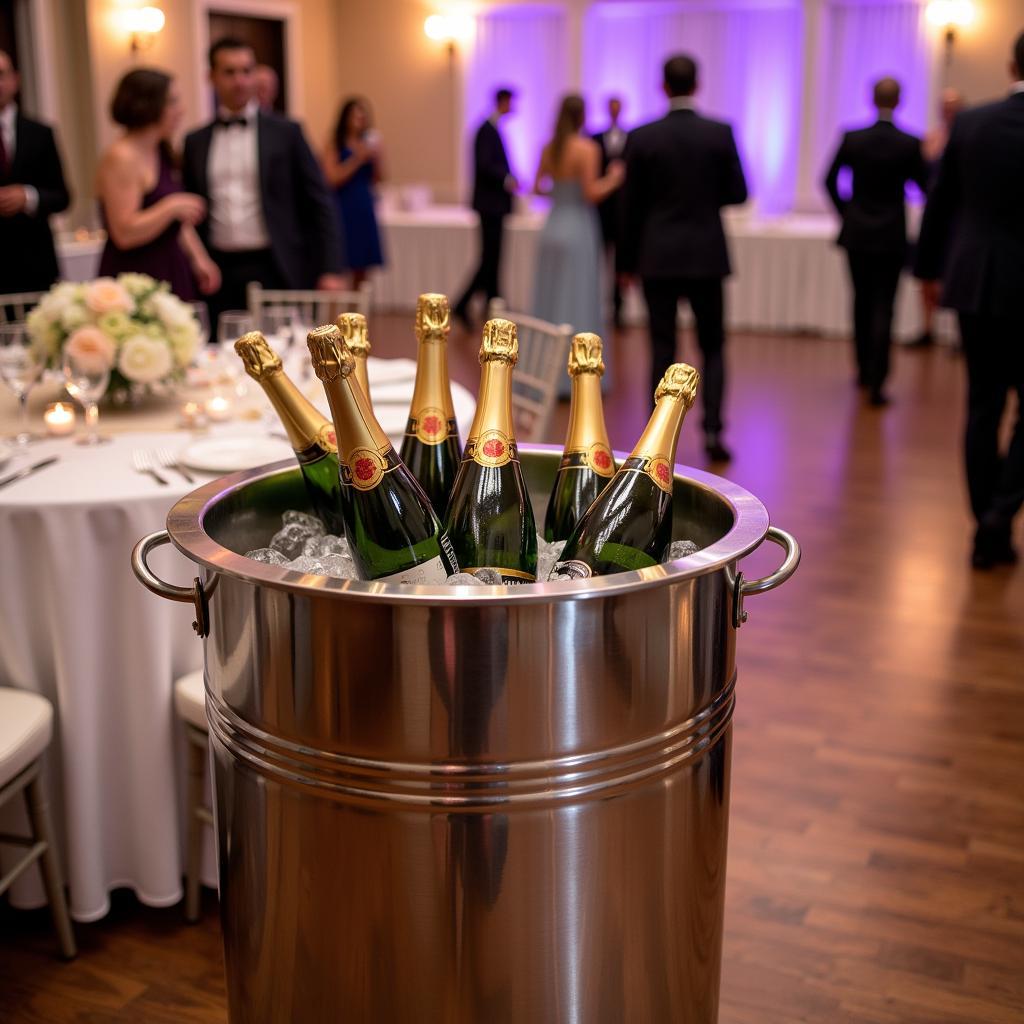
433 317
680 382
331 357
586 355
500 342
258 358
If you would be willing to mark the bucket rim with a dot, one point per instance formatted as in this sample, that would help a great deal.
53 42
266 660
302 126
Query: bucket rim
186 530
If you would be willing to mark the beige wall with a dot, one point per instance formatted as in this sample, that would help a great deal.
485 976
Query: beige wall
981 53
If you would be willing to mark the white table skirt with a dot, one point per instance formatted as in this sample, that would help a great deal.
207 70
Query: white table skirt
78 627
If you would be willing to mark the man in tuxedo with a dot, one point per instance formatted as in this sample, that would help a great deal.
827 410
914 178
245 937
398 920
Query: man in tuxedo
612 142
680 172
972 237
270 216
31 188
874 233
493 187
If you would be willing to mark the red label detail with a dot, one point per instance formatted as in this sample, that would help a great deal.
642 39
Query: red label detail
663 473
432 425
494 449
365 468
332 437
602 460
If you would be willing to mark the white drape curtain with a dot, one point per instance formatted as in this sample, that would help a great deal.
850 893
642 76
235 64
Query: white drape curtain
526 48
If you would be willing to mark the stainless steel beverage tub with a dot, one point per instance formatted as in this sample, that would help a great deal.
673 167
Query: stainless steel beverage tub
469 805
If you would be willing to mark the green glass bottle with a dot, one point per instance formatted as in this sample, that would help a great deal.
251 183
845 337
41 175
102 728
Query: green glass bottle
490 519
392 531
630 524
431 446
587 462
310 434
357 340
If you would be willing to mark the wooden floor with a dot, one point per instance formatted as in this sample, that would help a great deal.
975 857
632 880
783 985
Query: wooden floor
876 859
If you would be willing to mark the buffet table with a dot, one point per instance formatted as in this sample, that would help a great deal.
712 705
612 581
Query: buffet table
77 627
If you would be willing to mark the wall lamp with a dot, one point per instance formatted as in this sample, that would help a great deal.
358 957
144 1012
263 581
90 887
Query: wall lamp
950 15
449 29
143 24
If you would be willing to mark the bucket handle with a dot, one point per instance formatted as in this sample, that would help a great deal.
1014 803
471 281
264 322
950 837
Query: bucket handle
743 587
193 595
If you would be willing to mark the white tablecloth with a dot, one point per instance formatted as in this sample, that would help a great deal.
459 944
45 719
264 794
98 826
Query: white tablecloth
77 627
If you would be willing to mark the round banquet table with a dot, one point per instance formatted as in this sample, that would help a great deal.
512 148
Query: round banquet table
77 627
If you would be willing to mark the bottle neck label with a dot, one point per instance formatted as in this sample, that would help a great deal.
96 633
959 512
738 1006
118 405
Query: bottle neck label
431 426
493 448
657 467
598 458
366 468
574 569
300 418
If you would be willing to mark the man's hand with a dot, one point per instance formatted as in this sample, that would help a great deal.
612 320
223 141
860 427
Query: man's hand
330 283
207 275
12 200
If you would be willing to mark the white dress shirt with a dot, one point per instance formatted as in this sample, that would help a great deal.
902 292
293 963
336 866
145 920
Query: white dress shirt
614 142
237 223
8 123
681 103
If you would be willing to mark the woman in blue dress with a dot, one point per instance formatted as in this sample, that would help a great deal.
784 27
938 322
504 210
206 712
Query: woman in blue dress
353 164
567 287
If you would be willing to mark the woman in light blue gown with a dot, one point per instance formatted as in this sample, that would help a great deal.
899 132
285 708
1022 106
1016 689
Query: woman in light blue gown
570 254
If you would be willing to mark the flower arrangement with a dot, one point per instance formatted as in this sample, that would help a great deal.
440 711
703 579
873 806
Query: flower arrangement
131 325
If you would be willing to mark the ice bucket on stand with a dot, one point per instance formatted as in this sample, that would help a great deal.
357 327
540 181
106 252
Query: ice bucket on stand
495 805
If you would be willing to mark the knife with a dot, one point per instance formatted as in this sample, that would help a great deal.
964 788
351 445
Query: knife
29 470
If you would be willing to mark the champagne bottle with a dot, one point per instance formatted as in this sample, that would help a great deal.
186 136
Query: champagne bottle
489 515
392 530
431 447
353 330
587 463
630 524
311 435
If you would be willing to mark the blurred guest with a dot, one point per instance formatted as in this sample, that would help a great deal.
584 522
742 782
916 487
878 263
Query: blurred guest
567 286
31 188
612 142
680 172
149 220
353 164
972 237
882 159
493 186
267 86
270 215
950 104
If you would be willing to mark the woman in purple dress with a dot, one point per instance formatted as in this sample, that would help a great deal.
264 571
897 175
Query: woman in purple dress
150 222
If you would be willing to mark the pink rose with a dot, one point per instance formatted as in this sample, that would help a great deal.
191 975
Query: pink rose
105 295
91 349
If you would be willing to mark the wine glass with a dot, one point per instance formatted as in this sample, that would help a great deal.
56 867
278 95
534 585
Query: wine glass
230 327
280 323
202 314
20 368
85 380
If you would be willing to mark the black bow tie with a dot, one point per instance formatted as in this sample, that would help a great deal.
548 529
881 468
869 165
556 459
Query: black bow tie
227 122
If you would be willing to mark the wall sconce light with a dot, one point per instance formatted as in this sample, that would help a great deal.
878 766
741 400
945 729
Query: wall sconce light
142 24
449 29
949 15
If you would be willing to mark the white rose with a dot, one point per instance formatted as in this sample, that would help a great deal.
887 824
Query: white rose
170 310
143 360
73 316
136 284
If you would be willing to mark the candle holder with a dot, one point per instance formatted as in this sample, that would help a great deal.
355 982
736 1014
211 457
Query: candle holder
60 419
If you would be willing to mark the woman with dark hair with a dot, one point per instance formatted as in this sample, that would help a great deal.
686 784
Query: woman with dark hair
353 164
150 222
567 286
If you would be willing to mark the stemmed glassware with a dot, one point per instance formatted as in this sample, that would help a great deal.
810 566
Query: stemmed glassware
86 378
230 327
21 366
202 314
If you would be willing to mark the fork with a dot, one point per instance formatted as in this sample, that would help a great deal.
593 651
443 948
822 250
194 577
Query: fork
142 460
169 460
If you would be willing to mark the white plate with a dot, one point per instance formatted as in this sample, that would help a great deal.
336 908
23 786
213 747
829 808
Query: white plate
230 454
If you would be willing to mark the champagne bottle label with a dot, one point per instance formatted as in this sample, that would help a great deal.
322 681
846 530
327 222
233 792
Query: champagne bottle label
508 576
431 426
597 457
432 571
327 438
366 468
571 570
492 448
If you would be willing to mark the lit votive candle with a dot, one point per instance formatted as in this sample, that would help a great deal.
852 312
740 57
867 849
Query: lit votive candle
218 409
59 419
191 415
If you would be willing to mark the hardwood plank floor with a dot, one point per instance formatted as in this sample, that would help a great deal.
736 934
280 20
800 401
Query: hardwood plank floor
876 858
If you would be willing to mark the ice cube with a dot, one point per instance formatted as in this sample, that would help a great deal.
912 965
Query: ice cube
679 549
465 579
489 577
266 555
308 565
340 566
548 553
325 544
311 523
291 539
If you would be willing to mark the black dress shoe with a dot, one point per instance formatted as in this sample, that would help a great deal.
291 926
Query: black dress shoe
878 399
715 450
992 547
923 340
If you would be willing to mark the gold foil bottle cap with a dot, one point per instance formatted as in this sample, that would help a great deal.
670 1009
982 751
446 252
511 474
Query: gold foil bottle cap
585 355
500 342
679 382
330 355
353 329
259 359
433 318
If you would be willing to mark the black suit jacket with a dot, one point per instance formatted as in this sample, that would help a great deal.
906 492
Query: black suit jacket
28 261
610 210
491 168
305 237
680 172
883 159
972 234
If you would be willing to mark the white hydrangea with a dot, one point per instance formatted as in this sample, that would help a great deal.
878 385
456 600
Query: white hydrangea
170 310
136 284
144 360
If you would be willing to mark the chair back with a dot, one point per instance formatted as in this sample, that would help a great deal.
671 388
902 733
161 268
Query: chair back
312 307
17 305
543 354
